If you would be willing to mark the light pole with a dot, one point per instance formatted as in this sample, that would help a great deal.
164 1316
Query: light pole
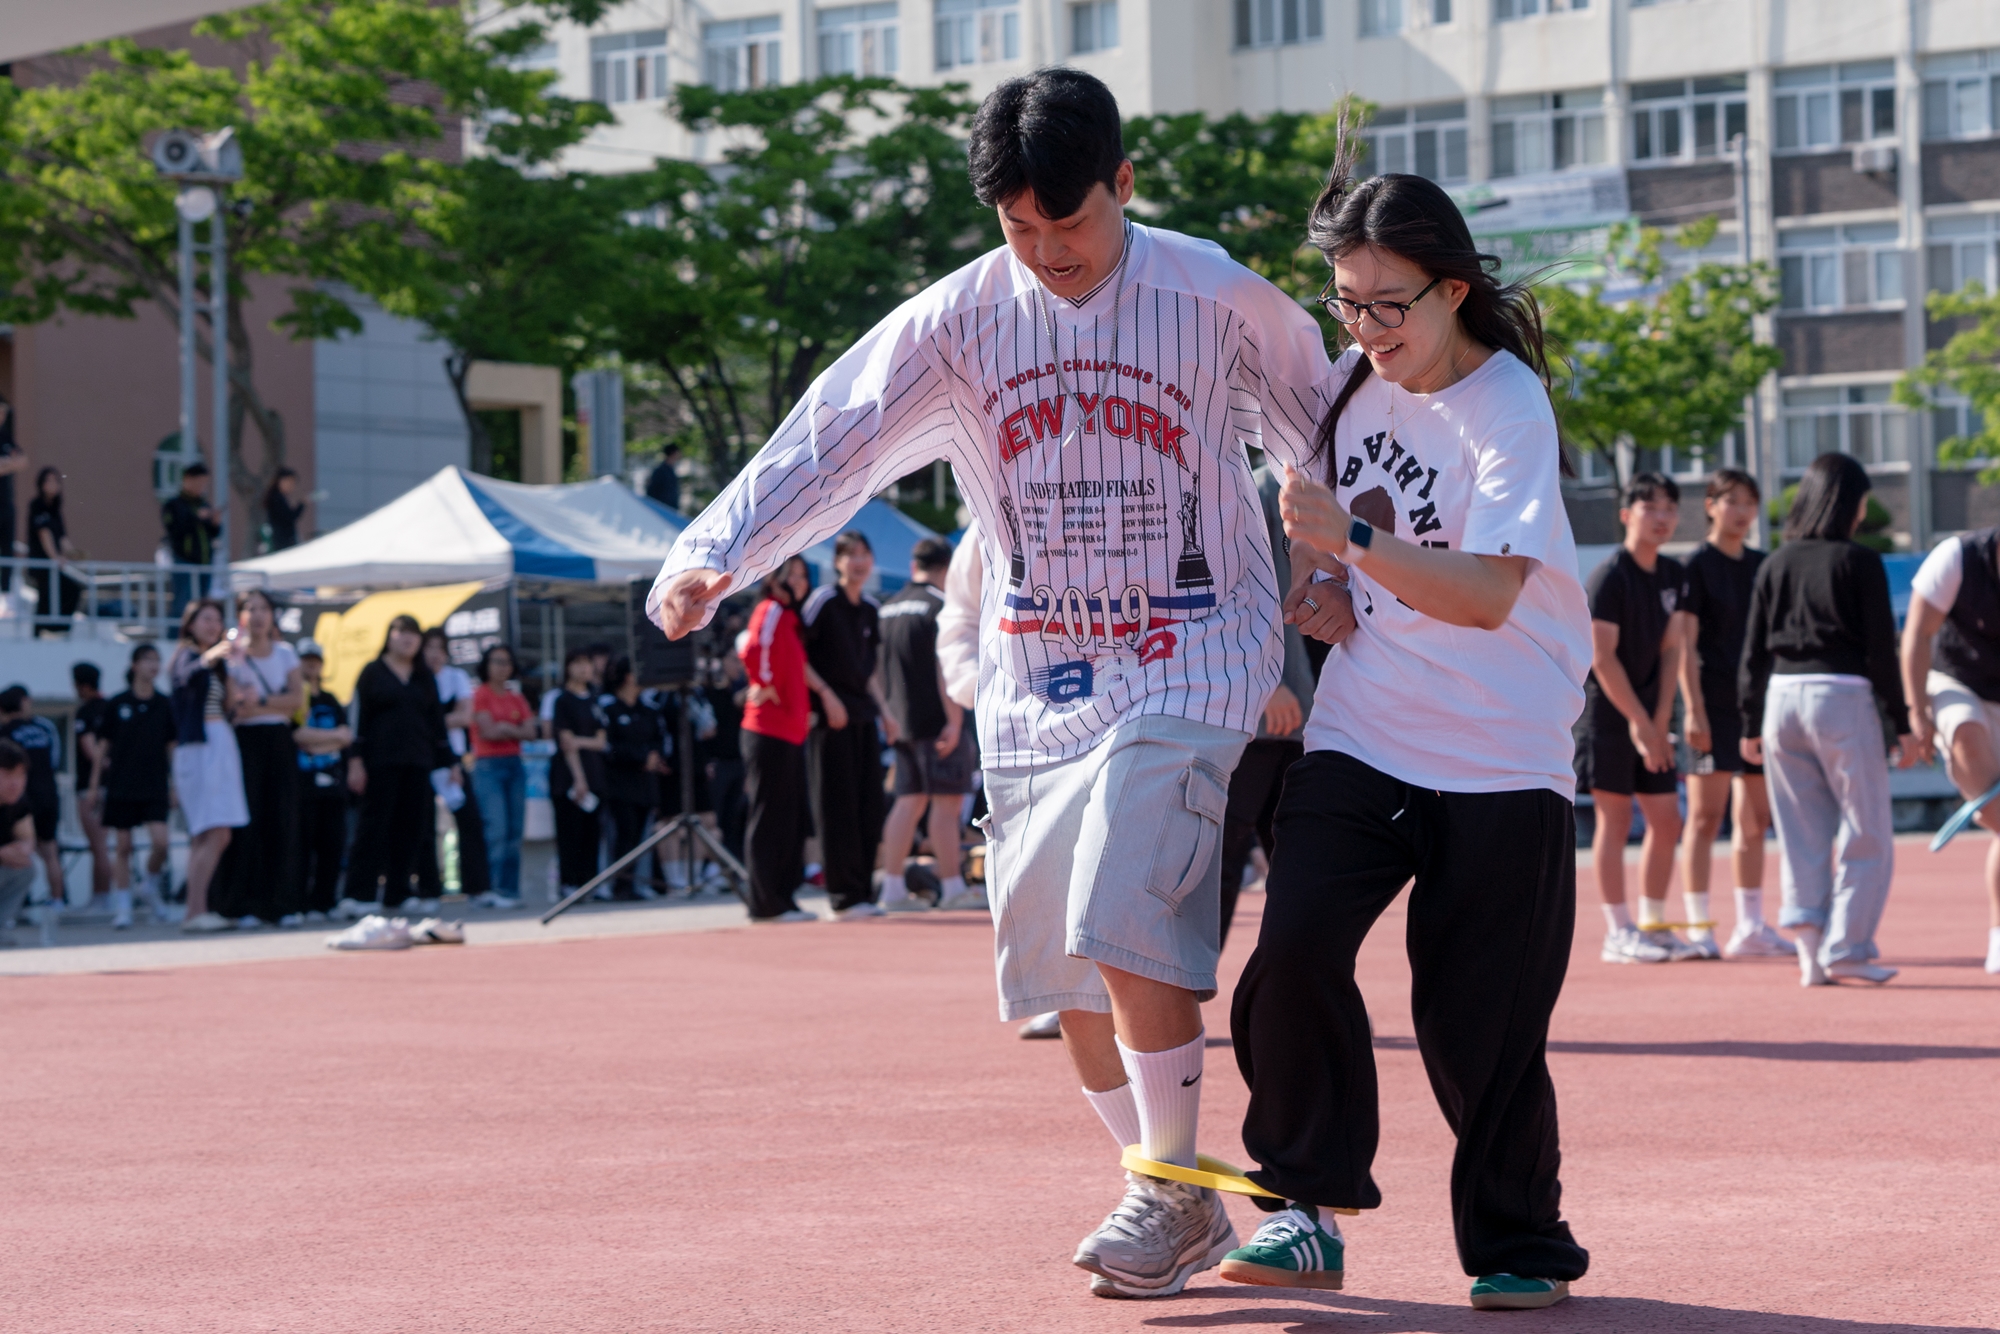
203 165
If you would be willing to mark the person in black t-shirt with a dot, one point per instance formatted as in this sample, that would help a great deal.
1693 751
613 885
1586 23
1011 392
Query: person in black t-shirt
399 739
937 756
283 509
17 839
844 756
321 737
633 766
136 748
576 783
39 738
86 733
1624 752
1720 576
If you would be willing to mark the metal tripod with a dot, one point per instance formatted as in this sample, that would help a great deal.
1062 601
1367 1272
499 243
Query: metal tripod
733 870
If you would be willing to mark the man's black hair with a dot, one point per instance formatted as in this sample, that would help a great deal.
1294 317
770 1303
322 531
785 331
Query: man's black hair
851 541
85 674
1646 486
195 469
12 757
12 698
933 553
1055 132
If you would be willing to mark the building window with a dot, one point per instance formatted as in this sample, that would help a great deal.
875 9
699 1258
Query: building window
1857 419
741 54
1680 120
629 66
1440 11
1827 105
1093 26
1547 132
977 32
1961 251
1425 141
1830 268
1379 18
858 39
1962 95
1956 420
1527 9
1279 22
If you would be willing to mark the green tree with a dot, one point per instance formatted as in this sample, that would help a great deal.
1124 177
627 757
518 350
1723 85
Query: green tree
1669 370
838 200
1967 365
347 111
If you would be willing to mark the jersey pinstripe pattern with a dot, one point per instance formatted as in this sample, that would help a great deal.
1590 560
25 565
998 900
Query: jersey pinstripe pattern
1128 570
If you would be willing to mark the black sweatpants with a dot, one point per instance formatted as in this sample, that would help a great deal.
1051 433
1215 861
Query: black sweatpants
579 841
475 874
398 818
1490 921
847 805
628 826
323 822
774 830
261 873
1253 804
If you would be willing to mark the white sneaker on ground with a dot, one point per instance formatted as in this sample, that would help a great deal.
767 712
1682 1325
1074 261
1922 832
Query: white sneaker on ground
858 912
167 914
1856 970
971 898
1704 944
291 920
373 932
1756 940
1676 948
352 910
206 922
1043 1026
795 915
1160 1235
121 909
1629 945
908 903
675 875
435 931
249 922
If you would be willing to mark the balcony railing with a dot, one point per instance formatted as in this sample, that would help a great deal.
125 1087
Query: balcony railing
98 599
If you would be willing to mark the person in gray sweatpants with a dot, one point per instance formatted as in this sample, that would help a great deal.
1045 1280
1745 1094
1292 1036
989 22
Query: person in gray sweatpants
1819 673
17 828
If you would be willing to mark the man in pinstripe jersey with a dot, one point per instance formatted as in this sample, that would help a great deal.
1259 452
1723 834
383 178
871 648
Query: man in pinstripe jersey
1094 384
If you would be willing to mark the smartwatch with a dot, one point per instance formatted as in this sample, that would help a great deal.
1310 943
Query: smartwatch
1360 533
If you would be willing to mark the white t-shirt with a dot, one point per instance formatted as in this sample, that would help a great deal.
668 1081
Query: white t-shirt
1474 468
1940 575
454 684
266 676
1128 572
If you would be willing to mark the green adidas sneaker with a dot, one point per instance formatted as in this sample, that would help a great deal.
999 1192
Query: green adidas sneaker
1511 1292
1292 1249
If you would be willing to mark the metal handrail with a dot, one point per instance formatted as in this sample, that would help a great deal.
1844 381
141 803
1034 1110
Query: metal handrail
141 599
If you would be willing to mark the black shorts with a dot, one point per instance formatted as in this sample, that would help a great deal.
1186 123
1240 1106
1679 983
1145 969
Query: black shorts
1607 761
131 812
922 772
1725 733
46 819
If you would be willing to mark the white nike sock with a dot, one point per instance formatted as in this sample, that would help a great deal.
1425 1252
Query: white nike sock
1167 1087
1617 917
1697 911
894 890
1652 914
1750 905
953 887
1120 1113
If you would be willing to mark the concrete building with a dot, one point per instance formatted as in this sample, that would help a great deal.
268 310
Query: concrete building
1872 126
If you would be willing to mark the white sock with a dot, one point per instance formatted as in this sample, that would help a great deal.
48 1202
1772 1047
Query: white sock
1617 917
893 890
1750 906
1120 1113
1697 911
1652 914
953 886
1167 1087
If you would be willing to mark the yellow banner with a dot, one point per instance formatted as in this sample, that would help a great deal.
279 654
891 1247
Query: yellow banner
353 638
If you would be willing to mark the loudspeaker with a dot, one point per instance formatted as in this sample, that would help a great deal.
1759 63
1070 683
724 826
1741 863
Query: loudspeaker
659 661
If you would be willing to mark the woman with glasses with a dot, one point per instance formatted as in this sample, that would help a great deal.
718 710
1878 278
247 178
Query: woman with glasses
1438 750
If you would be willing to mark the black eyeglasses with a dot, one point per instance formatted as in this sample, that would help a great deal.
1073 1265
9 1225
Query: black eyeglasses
1388 314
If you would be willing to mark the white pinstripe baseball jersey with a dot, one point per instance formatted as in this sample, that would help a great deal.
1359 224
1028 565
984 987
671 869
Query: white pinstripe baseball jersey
1128 568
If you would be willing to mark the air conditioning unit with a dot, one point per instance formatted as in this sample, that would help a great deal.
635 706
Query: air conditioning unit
1871 158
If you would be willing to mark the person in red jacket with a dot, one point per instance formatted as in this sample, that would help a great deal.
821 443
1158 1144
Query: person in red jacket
776 717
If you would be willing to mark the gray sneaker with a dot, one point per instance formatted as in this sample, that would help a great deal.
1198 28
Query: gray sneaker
1160 1235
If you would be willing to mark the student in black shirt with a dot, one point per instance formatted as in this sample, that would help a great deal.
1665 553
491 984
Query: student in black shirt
633 766
191 528
138 740
398 740
283 509
1720 576
576 783
1819 671
320 737
844 761
48 540
1625 752
86 737
38 737
17 839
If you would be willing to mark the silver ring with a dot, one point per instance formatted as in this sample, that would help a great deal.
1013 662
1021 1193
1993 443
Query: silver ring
1310 603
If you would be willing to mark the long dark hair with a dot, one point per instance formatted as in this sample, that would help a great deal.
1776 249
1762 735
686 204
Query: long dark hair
404 621
1411 217
1830 496
194 609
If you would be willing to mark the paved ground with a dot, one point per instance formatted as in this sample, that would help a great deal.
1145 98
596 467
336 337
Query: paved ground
821 1128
